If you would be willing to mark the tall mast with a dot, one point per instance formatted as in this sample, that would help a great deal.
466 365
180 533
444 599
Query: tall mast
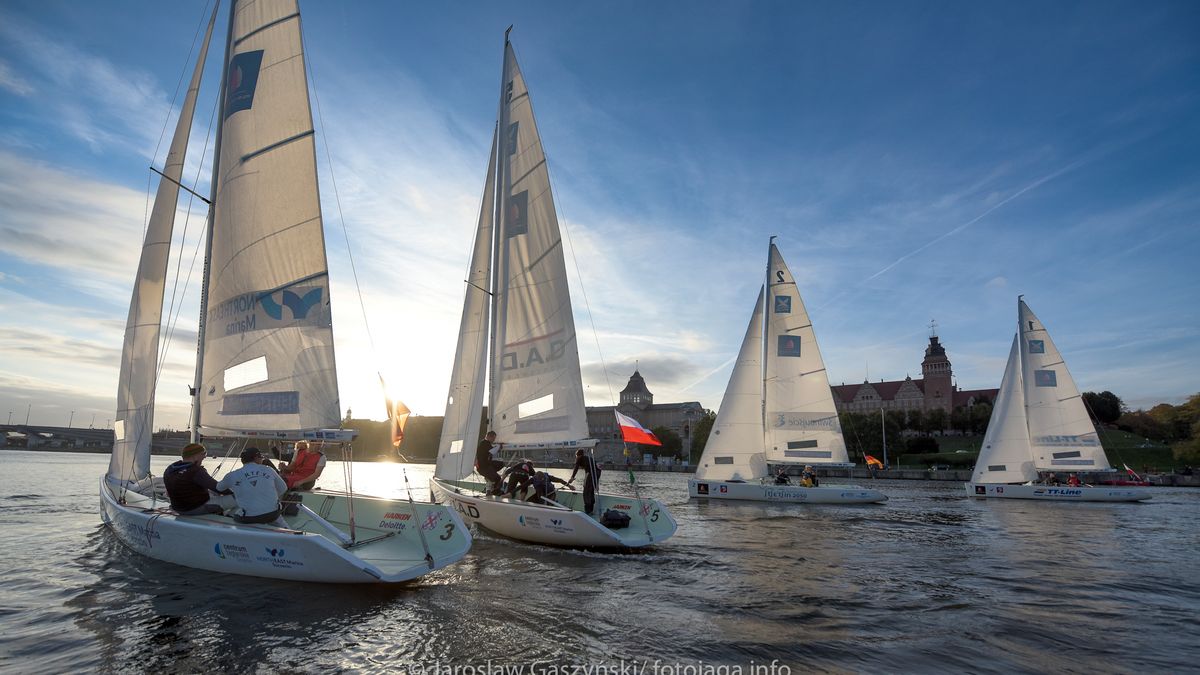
766 323
500 197
197 394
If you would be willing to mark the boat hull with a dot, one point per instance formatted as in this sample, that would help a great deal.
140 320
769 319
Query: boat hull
649 521
1057 493
389 548
787 494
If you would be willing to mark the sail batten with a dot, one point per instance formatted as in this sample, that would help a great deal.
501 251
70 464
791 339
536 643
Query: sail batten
134 418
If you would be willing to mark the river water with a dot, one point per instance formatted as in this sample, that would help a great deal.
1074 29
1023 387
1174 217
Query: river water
929 582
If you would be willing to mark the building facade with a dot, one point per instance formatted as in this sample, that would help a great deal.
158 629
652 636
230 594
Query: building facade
637 402
935 390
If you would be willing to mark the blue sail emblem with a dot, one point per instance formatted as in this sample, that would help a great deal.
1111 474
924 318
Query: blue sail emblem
242 80
299 305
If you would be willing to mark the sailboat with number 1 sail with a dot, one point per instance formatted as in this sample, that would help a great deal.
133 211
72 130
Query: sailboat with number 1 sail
265 363
777 408
517 331
1039 424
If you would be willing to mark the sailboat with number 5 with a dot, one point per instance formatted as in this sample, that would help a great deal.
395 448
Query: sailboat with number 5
265 362
517 295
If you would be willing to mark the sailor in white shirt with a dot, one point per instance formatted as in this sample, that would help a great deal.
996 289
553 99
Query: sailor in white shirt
257 488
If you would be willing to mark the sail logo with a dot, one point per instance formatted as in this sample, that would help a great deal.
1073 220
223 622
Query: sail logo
231 552
783 304
516 217
817 421
242 80
298 304
789 345
1067 441
1037 346
511 360
512 137
1045 378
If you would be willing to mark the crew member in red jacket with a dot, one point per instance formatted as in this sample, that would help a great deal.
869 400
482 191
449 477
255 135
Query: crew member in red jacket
305 468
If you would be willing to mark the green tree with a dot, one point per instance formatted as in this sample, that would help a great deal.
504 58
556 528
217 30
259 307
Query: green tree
960 419
916 420
700 432
1104 408
935 420
671 446
981 414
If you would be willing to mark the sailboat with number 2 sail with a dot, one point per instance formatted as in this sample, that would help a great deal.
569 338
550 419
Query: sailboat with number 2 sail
517 330
1039 424
265 361
778 408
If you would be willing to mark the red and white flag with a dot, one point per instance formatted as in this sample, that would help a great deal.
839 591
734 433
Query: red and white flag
633 432
1131 472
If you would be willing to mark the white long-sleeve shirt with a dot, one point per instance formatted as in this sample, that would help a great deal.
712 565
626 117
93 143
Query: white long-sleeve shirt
256 487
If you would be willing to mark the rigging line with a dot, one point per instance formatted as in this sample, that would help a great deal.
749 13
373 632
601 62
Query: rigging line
174 97
337 198
175 310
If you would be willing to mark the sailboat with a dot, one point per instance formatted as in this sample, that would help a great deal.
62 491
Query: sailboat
265 362
1039 424
517 331
778 408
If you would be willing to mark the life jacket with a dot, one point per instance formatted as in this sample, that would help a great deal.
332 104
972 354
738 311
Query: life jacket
303 466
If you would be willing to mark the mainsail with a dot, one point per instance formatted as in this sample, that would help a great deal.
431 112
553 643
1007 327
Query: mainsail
537 390
464 403
801 419
735 446
134 420
267 338
1061 434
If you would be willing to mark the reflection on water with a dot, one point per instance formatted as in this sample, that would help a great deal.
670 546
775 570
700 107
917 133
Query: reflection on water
931 581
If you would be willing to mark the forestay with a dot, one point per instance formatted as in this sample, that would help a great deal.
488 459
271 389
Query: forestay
802 423
537 391
268 360
134 420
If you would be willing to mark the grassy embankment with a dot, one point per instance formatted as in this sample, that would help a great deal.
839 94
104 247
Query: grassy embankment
1121 447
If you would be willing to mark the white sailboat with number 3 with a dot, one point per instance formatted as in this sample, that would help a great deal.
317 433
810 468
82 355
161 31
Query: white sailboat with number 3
265 360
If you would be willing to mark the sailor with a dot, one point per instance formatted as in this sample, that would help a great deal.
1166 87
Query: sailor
1073 480
305 468
543 486
519 476
587 463
189 486
781 476
809 477
257 488
486 462
1051 479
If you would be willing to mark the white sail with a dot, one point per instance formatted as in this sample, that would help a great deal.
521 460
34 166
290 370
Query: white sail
802 423
268 361
464 402
1005 455
134 420
735 447
1061 434
537 390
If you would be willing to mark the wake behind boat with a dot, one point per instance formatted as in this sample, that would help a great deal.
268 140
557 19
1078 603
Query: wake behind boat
517 295
1039 424
265 362
777 408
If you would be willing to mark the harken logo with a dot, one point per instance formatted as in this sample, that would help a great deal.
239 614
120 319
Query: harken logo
299 304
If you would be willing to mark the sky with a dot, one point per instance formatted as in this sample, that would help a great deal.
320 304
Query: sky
918 161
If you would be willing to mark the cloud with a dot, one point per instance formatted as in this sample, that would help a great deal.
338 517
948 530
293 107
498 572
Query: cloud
13 82
997 283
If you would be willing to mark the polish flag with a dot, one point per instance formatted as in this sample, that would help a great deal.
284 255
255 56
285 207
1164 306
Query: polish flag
632 432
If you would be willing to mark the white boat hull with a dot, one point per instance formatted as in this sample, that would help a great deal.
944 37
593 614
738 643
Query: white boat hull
649 521
788 494
389 548
1060 493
